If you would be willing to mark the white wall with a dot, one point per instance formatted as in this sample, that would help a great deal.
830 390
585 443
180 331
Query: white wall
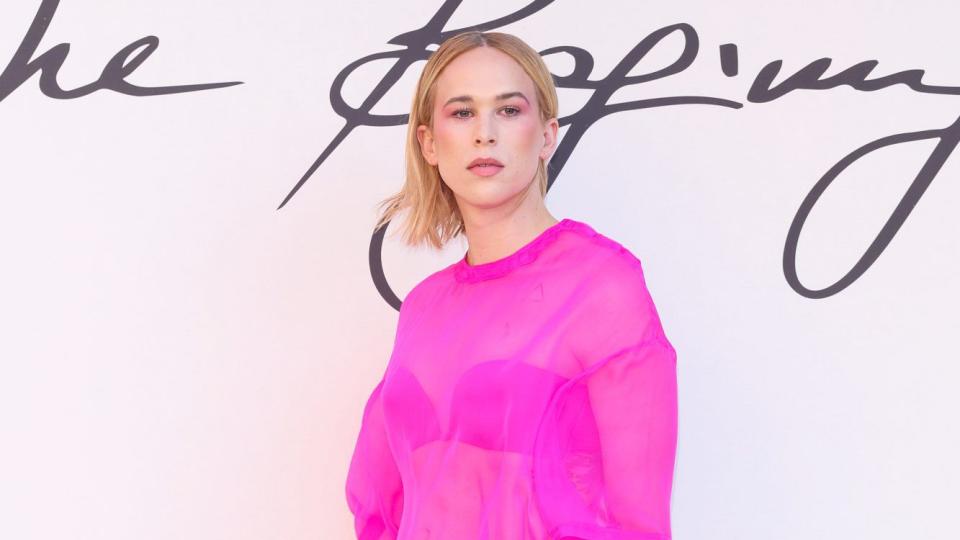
182 359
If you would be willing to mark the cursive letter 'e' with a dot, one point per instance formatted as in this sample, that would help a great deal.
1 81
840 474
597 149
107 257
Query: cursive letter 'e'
21 67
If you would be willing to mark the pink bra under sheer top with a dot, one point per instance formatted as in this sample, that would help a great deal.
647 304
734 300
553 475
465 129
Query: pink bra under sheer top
531 397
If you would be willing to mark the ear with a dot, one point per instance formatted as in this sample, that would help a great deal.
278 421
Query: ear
550 129
425 137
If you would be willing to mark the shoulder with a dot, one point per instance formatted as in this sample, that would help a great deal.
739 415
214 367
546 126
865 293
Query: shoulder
427 287
615 307
610 270
613 287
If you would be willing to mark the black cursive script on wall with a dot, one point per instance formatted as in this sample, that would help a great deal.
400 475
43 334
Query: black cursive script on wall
22 66
415 48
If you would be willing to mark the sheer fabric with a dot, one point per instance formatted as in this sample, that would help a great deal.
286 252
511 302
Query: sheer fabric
531 397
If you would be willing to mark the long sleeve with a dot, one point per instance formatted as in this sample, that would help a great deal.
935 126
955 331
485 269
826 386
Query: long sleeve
606 450
633 395
373 488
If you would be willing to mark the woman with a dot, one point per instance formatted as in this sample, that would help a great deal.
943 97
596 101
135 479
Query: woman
531 393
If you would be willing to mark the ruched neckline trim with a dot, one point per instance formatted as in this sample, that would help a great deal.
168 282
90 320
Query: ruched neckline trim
465 272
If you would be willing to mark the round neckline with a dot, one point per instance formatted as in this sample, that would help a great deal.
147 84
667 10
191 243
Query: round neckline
466 272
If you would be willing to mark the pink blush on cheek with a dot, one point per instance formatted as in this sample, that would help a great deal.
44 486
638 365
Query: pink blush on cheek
444 124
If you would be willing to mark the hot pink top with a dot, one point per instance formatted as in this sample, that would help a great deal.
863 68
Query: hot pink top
531 397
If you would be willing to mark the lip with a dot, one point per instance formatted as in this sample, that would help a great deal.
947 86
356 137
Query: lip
484 161
488 170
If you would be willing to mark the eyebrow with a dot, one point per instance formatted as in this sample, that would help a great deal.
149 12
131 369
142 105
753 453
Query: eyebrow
500 97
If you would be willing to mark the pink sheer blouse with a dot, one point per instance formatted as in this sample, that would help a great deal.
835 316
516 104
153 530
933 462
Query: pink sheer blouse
531 397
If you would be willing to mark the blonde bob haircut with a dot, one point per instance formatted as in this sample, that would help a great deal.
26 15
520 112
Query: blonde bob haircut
433 217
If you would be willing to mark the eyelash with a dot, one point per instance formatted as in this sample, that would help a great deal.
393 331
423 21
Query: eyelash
456 113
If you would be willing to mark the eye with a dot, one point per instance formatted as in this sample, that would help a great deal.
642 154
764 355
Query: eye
456 113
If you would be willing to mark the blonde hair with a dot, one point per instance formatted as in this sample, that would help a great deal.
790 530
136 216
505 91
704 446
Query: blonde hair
432 213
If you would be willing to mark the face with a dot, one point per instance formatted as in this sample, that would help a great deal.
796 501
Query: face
485 106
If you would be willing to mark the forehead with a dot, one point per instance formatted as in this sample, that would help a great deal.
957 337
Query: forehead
483 73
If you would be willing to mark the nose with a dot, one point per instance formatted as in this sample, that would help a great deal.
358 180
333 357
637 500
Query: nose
485 131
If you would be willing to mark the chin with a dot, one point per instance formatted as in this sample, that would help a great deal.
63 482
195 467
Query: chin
485 193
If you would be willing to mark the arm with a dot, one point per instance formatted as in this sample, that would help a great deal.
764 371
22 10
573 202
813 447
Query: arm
374 490
633 395
606 450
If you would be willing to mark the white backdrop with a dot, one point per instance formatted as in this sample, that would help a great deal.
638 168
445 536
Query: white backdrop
182 359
